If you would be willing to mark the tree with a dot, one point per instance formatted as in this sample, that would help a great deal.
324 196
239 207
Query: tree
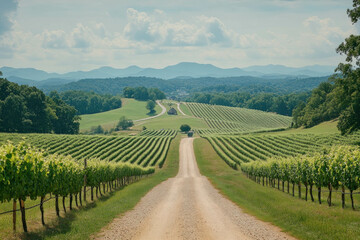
141 93
185 128
28 109
124 123
348 84
150 106
128 92
97 130
13 114
66 121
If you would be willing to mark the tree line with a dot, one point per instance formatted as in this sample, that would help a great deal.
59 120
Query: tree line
341 96
88 102
268 102
143 93
179 88
27 109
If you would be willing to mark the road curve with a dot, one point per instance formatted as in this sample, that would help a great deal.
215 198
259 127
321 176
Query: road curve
178 107
188 207
163 110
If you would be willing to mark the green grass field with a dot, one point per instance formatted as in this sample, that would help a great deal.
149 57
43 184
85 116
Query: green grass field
131 109
185 109
304 220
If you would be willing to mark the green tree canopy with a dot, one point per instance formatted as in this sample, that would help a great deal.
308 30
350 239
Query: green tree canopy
150 105
185 128
348 85
124 123
88 102
143 93
27 109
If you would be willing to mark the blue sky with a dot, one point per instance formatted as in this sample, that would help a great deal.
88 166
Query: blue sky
68 35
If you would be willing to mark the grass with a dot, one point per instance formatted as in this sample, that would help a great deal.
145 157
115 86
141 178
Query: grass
185 109
131 109
325 127
86 221
304 220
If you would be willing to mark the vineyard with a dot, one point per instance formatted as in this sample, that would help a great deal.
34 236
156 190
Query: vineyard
27 172
235 150
338 168
67 162
230 120
158 133
148 149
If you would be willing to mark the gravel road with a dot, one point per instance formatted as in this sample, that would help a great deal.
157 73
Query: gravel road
188 207
163 110
178 107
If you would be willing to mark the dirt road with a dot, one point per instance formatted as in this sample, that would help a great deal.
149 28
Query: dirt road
178 107
163 110
188 207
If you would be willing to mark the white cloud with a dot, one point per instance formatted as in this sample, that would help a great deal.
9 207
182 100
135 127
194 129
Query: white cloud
7 9
100 30
82 37
138 36
324 30
140 26
56 39
143 27
216 31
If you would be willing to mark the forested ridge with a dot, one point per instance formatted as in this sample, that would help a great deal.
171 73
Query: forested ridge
88 102
28 109
171 87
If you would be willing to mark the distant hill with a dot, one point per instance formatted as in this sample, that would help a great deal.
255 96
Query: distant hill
249 84
187 69
27 73
194 70
314 71
40 84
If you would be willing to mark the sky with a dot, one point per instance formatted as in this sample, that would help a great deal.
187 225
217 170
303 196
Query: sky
70 35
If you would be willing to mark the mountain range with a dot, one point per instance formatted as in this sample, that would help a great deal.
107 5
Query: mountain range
184 70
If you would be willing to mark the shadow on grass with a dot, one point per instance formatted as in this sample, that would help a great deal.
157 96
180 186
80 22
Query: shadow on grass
62 225
151 114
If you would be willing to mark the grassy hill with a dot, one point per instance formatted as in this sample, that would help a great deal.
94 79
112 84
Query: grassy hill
231 120
131 109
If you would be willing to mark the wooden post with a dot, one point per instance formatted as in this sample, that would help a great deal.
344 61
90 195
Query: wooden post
343 196
14 215
85 165
42 209
23 218
57 205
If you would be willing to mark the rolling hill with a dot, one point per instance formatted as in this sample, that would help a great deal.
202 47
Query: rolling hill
183 69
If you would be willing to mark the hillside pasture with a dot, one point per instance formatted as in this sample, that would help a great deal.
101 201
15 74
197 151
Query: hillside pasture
131 109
